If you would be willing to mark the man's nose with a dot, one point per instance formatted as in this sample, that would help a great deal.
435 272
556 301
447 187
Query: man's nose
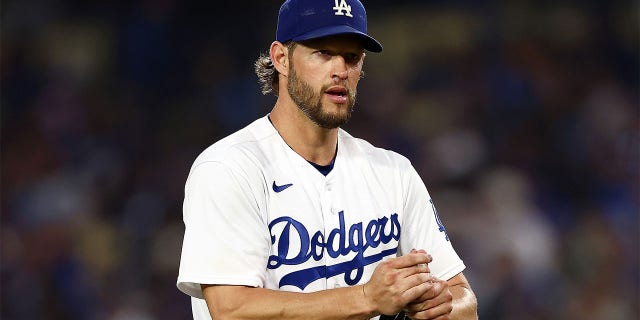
340 68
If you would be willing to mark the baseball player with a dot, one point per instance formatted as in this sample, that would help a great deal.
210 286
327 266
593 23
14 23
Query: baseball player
293 218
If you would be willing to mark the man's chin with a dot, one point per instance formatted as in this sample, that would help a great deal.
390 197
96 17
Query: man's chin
332 121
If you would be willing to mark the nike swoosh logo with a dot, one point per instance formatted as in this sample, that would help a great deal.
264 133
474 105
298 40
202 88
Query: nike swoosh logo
281 188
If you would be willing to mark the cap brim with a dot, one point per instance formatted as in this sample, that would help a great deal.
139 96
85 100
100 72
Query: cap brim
370 43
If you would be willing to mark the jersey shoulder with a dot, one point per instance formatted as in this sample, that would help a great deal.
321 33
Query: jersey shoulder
358 147
239 146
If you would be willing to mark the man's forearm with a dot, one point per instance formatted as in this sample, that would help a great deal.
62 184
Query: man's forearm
394 283
465 305
238 302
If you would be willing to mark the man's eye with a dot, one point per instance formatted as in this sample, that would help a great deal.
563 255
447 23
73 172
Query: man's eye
352 58
324 52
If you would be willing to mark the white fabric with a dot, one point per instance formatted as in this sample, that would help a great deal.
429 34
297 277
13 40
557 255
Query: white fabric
240 231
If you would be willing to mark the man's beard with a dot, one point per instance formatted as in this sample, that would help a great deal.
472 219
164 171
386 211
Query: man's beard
311 104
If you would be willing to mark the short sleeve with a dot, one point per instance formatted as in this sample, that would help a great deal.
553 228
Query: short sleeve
423 229
226 240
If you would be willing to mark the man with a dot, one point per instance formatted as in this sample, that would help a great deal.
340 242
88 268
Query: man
293 218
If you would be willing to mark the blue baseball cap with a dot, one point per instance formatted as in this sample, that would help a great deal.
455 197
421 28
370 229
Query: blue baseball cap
300 20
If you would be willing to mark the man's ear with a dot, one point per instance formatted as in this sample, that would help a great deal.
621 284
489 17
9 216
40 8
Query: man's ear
279 54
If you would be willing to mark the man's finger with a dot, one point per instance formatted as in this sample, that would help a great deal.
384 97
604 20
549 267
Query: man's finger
434 297
437 312
409 260
419 268
417 286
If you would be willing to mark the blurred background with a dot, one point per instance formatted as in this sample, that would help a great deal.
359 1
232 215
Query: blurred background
521 116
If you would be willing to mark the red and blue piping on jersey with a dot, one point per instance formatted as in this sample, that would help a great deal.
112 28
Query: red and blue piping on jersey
377 231
441 227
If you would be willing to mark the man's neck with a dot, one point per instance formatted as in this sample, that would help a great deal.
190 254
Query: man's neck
306 138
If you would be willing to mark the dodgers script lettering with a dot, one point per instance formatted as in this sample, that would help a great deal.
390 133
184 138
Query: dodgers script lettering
339 242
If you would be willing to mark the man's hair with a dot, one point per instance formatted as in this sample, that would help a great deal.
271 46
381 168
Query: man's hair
267 73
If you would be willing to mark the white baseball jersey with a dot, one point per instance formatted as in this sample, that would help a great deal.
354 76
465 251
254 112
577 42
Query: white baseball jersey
258 214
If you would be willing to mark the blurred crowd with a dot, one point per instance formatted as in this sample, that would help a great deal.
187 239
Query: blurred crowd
521 116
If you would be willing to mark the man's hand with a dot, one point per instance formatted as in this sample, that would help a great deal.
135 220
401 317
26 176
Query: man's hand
398 281
434 303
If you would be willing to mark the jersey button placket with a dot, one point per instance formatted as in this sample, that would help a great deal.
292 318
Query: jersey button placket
329 188
328 208
325 203
331 222
325 211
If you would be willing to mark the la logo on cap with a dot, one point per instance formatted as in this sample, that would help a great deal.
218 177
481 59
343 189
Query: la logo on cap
342 6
